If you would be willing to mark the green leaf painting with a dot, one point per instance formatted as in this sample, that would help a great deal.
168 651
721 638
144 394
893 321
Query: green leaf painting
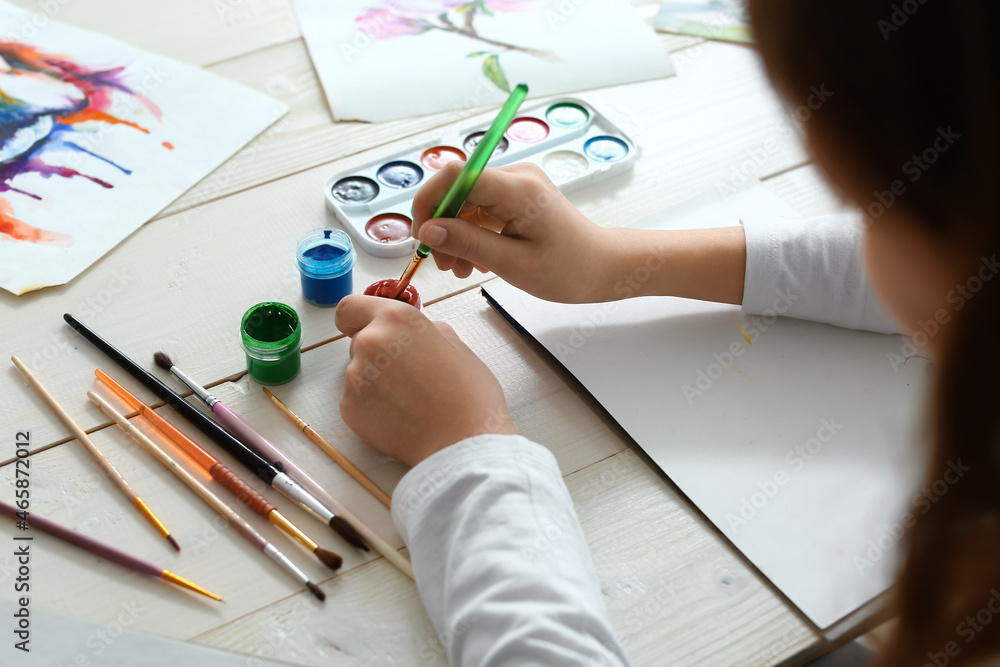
494 72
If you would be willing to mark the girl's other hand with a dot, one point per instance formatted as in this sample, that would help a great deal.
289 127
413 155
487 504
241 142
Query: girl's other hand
412 387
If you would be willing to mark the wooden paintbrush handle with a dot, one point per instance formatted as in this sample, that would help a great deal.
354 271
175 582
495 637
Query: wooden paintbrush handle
345 463
247 495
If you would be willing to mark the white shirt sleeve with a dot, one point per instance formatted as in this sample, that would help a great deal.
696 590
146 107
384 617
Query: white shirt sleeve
499 557
811 269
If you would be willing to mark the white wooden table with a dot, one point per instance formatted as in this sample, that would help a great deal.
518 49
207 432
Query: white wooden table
677 593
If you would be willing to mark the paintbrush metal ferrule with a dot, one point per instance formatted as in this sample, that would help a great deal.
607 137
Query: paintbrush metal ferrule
143 508
304 498
408 273
292 490
290 529
167 575
198 390
329 558
283 561
298 421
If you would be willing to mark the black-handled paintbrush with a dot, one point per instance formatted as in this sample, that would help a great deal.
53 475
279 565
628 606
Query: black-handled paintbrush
269 472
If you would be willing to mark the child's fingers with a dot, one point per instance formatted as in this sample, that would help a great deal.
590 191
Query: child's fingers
443 260
466 241
356 311
501 192
462 268
431 193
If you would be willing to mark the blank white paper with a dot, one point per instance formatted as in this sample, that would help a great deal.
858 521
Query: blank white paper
800 448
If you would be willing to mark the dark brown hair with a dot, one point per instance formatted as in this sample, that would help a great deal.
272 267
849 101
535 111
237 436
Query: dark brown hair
898 76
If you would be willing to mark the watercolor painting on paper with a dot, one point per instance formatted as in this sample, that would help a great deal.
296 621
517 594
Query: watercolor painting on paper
96 137
385 59
725 20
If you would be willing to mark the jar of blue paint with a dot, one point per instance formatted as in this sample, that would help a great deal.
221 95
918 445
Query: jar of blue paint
326 259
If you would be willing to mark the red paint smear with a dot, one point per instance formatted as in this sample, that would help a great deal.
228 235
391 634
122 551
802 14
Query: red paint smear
389 228
169 146
14 229
383 288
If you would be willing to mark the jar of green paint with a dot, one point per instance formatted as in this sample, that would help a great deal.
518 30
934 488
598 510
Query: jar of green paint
271 335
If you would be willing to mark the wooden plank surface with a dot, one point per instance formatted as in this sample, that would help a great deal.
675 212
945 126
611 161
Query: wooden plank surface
199 32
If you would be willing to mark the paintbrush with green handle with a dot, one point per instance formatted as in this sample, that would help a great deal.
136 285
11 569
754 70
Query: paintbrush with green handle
455 198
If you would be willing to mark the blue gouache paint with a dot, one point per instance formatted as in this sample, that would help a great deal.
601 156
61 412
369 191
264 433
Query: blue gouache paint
605 149
74 146
326 259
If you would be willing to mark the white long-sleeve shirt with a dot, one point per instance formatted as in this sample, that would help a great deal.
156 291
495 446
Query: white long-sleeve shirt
498 555
820 261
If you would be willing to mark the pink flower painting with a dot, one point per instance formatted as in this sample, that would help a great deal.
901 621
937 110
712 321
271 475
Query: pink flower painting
393 19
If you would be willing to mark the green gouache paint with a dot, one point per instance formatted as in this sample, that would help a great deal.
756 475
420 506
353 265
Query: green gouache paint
567 115
271 335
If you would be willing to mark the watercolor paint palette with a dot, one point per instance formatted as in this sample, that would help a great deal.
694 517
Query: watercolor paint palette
571 141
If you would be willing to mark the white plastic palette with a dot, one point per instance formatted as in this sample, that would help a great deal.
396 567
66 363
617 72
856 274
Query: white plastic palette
575 144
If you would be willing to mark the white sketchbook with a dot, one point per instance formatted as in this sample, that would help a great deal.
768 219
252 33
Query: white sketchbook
799 447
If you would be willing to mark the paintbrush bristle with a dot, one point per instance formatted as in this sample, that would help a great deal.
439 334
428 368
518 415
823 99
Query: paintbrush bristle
330 559
347 531
316 590
174 542
163 361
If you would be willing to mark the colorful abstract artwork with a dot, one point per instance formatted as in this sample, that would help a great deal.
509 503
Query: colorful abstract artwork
385 59
46 101
95 138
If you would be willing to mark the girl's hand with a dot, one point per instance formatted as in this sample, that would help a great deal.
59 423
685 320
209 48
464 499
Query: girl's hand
412 386
518 225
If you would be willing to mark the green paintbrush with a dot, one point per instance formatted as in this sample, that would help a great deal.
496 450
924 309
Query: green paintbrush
452 203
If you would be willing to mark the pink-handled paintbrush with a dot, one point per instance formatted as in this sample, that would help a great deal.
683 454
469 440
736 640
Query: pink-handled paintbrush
246 433
343 518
